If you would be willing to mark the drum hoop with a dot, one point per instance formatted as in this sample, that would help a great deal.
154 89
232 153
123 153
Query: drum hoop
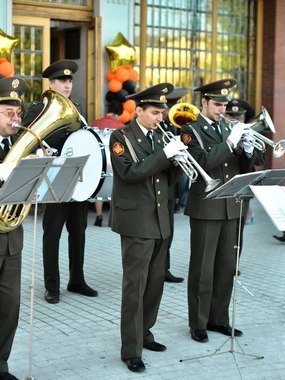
104 165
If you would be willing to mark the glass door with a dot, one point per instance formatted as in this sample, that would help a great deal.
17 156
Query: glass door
32 53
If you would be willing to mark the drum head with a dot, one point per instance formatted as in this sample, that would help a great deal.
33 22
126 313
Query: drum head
82 143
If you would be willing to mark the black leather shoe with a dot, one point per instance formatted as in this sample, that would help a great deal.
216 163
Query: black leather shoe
280 238
98 221
135 364
84 290
7 376
226 330
154 346
200 335
52 296
170 278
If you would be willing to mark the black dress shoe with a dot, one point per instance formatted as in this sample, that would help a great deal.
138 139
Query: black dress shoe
84 290
170 278
135 364
7 376
154 346
98 221
226 330
280 238
200 335
52 296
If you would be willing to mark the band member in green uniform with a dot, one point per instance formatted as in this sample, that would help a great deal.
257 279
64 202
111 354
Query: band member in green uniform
11 243
142 173
213 221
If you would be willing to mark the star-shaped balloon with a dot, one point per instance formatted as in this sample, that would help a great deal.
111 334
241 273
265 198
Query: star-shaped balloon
7 44
120 52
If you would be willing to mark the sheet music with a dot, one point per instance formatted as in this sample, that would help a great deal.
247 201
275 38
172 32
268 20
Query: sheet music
272 198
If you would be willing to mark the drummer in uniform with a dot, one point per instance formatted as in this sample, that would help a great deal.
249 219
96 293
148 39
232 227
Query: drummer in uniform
73 214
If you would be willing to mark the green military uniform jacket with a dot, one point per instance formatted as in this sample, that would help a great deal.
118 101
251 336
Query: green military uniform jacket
216 158
11 243
140 189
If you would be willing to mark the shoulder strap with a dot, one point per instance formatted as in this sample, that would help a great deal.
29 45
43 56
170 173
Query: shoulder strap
130 147
197 136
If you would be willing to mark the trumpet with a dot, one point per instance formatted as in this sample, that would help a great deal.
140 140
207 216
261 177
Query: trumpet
190 166
259 141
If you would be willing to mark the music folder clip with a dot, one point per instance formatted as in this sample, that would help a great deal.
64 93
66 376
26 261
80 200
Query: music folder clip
42 180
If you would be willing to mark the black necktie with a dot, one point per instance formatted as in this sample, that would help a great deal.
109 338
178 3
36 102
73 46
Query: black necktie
6 144
150 139
217 129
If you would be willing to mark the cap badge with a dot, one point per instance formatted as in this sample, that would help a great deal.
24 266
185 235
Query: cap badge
118 149
227 83
224 91
66 72
235 109
165 90
162 98
14 94
15 83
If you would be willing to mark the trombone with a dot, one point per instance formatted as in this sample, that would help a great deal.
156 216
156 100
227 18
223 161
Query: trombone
190 166
259 140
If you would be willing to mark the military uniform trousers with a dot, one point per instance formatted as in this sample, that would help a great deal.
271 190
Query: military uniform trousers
144 263
74 214
211 271
10 283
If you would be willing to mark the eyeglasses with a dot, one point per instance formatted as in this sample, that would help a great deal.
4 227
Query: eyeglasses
18 114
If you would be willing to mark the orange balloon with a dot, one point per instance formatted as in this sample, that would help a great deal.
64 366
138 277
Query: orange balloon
6 69
133 75
124 117
129 105
115 85
110 75
3 60
122 74
128 67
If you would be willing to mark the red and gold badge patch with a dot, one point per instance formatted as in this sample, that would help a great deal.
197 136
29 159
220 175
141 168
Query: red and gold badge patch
186 138
118 149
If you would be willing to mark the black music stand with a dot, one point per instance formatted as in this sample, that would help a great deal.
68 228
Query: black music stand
239 187
41 180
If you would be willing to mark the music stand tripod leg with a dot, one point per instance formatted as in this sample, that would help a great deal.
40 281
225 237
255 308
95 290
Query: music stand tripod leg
32 289
233 338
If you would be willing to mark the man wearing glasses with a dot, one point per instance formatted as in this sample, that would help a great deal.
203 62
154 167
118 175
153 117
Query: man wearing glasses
11 243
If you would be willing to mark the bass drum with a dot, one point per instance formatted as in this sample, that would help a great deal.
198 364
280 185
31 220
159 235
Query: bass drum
97 178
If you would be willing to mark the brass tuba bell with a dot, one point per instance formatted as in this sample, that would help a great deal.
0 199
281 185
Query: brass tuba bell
182 113
58 113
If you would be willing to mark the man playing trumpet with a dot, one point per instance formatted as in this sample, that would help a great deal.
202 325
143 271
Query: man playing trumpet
213 222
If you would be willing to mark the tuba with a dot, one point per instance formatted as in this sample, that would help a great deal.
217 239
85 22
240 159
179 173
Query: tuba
182 113
58 113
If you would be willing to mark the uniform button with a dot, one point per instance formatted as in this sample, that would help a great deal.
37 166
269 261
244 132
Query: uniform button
158 205
158 192
209 147
227 176
226 164
157 180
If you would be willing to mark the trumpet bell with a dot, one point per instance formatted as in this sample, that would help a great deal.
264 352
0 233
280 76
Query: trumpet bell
279 149
263 122
182 113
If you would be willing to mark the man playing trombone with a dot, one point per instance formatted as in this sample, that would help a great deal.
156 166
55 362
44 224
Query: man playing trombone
213 222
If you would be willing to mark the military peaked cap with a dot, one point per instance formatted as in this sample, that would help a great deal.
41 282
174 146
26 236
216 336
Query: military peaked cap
155 95
11 89
238 107
60 69
175 96
218 90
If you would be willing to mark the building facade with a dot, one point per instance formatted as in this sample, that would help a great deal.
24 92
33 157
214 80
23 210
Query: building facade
184 42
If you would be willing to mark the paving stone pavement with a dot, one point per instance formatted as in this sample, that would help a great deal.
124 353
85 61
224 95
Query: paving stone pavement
79 338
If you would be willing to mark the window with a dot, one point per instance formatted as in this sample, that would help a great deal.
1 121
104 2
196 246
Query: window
191 42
